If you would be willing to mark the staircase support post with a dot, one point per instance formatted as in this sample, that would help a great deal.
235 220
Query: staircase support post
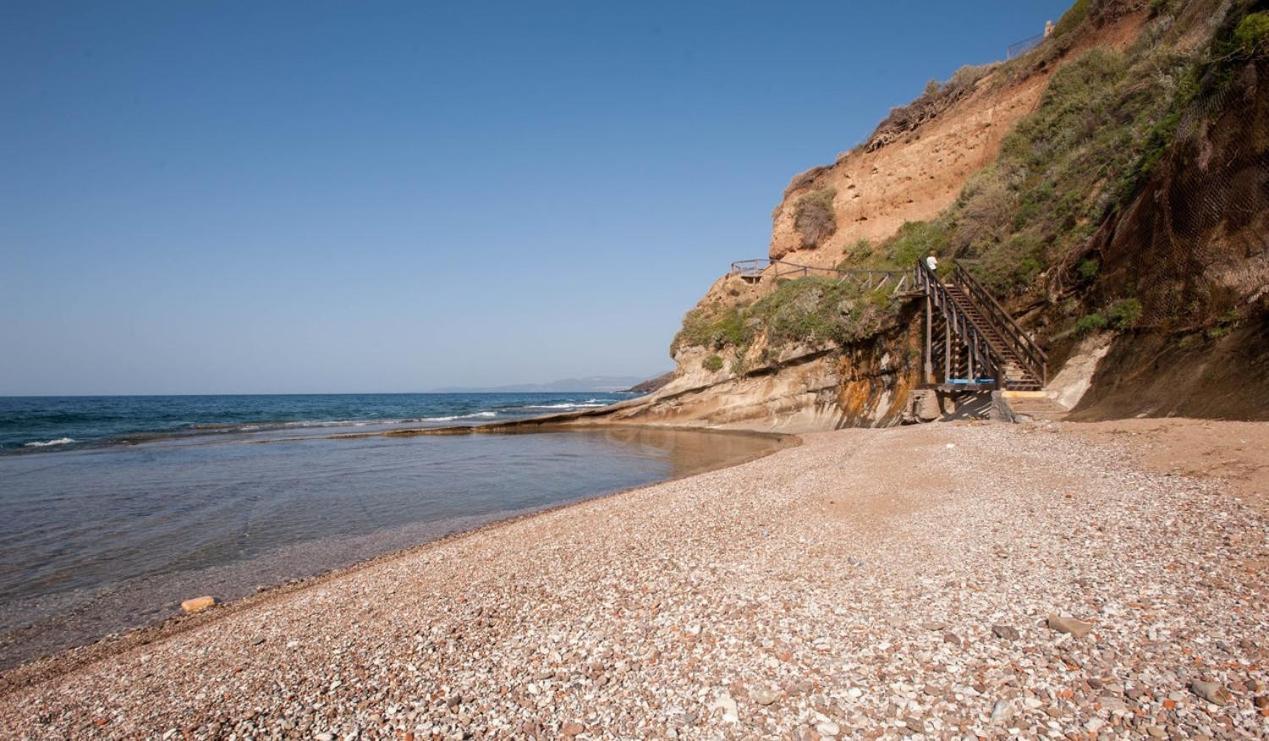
947 351
970 360
929 330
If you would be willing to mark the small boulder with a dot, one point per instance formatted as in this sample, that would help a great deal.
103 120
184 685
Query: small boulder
198 604
1063 624
1005 632
1210 691
571 728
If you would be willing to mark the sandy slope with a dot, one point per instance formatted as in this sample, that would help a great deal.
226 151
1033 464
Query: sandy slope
868 582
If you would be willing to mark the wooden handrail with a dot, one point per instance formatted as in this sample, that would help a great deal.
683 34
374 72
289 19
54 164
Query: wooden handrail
757 268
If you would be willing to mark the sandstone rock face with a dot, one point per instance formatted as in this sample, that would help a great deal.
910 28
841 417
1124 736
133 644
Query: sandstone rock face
198 604
802 389
913 175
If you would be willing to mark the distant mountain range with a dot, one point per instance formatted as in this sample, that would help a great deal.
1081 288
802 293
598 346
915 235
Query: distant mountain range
598 384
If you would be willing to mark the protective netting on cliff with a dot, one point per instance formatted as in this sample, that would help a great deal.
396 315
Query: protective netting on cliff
1201 214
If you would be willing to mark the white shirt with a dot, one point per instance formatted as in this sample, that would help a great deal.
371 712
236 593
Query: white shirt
932 262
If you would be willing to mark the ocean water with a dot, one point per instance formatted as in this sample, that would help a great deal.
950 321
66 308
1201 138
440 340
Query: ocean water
45 423
159 499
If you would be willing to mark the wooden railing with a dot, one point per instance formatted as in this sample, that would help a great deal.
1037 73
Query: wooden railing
1019 343
1024 46
872 280
982 359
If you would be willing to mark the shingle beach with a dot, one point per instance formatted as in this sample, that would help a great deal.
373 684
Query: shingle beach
941 581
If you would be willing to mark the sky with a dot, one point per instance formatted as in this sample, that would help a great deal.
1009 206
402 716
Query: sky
246 197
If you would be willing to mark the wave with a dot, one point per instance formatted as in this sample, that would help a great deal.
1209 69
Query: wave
451 418
48 443
590 403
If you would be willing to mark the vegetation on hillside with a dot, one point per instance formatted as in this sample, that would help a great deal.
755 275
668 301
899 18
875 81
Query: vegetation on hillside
813 311
937 97
813 216
1102 126
1026 222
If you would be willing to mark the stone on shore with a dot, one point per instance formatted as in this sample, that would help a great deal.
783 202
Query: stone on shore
1210 691
1005 632
1066 624
198 604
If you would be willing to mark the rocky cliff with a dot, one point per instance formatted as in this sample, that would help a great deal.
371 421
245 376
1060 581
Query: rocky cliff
1109 185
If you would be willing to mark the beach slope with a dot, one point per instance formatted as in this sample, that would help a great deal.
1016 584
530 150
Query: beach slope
944 579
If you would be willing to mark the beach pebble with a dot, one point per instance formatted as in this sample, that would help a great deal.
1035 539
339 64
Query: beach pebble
1005 632
765 696
727 705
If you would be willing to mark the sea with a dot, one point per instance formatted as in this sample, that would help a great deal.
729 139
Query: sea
114 509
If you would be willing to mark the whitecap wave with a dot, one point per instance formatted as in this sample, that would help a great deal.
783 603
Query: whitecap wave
48 443
473 415
568 405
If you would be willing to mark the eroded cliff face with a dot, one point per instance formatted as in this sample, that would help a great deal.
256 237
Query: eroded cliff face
913 168
803 388
1191 237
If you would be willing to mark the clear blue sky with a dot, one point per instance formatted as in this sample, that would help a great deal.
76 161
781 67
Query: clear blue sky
346 196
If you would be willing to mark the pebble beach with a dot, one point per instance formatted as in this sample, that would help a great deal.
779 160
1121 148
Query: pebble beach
942 581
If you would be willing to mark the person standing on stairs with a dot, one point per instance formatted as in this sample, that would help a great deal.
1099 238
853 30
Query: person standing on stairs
932 263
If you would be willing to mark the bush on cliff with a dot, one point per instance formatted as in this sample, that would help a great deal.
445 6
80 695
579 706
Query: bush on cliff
710 327
915 240
813 216
1252 34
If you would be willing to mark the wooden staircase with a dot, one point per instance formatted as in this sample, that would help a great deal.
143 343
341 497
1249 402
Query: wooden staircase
1016 373
982 345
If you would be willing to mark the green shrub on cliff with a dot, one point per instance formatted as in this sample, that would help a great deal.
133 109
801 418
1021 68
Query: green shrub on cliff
1094 322
711 327
1072 18
712 363
820 310
813 216
1124 314
812 311
1252 34
915 240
